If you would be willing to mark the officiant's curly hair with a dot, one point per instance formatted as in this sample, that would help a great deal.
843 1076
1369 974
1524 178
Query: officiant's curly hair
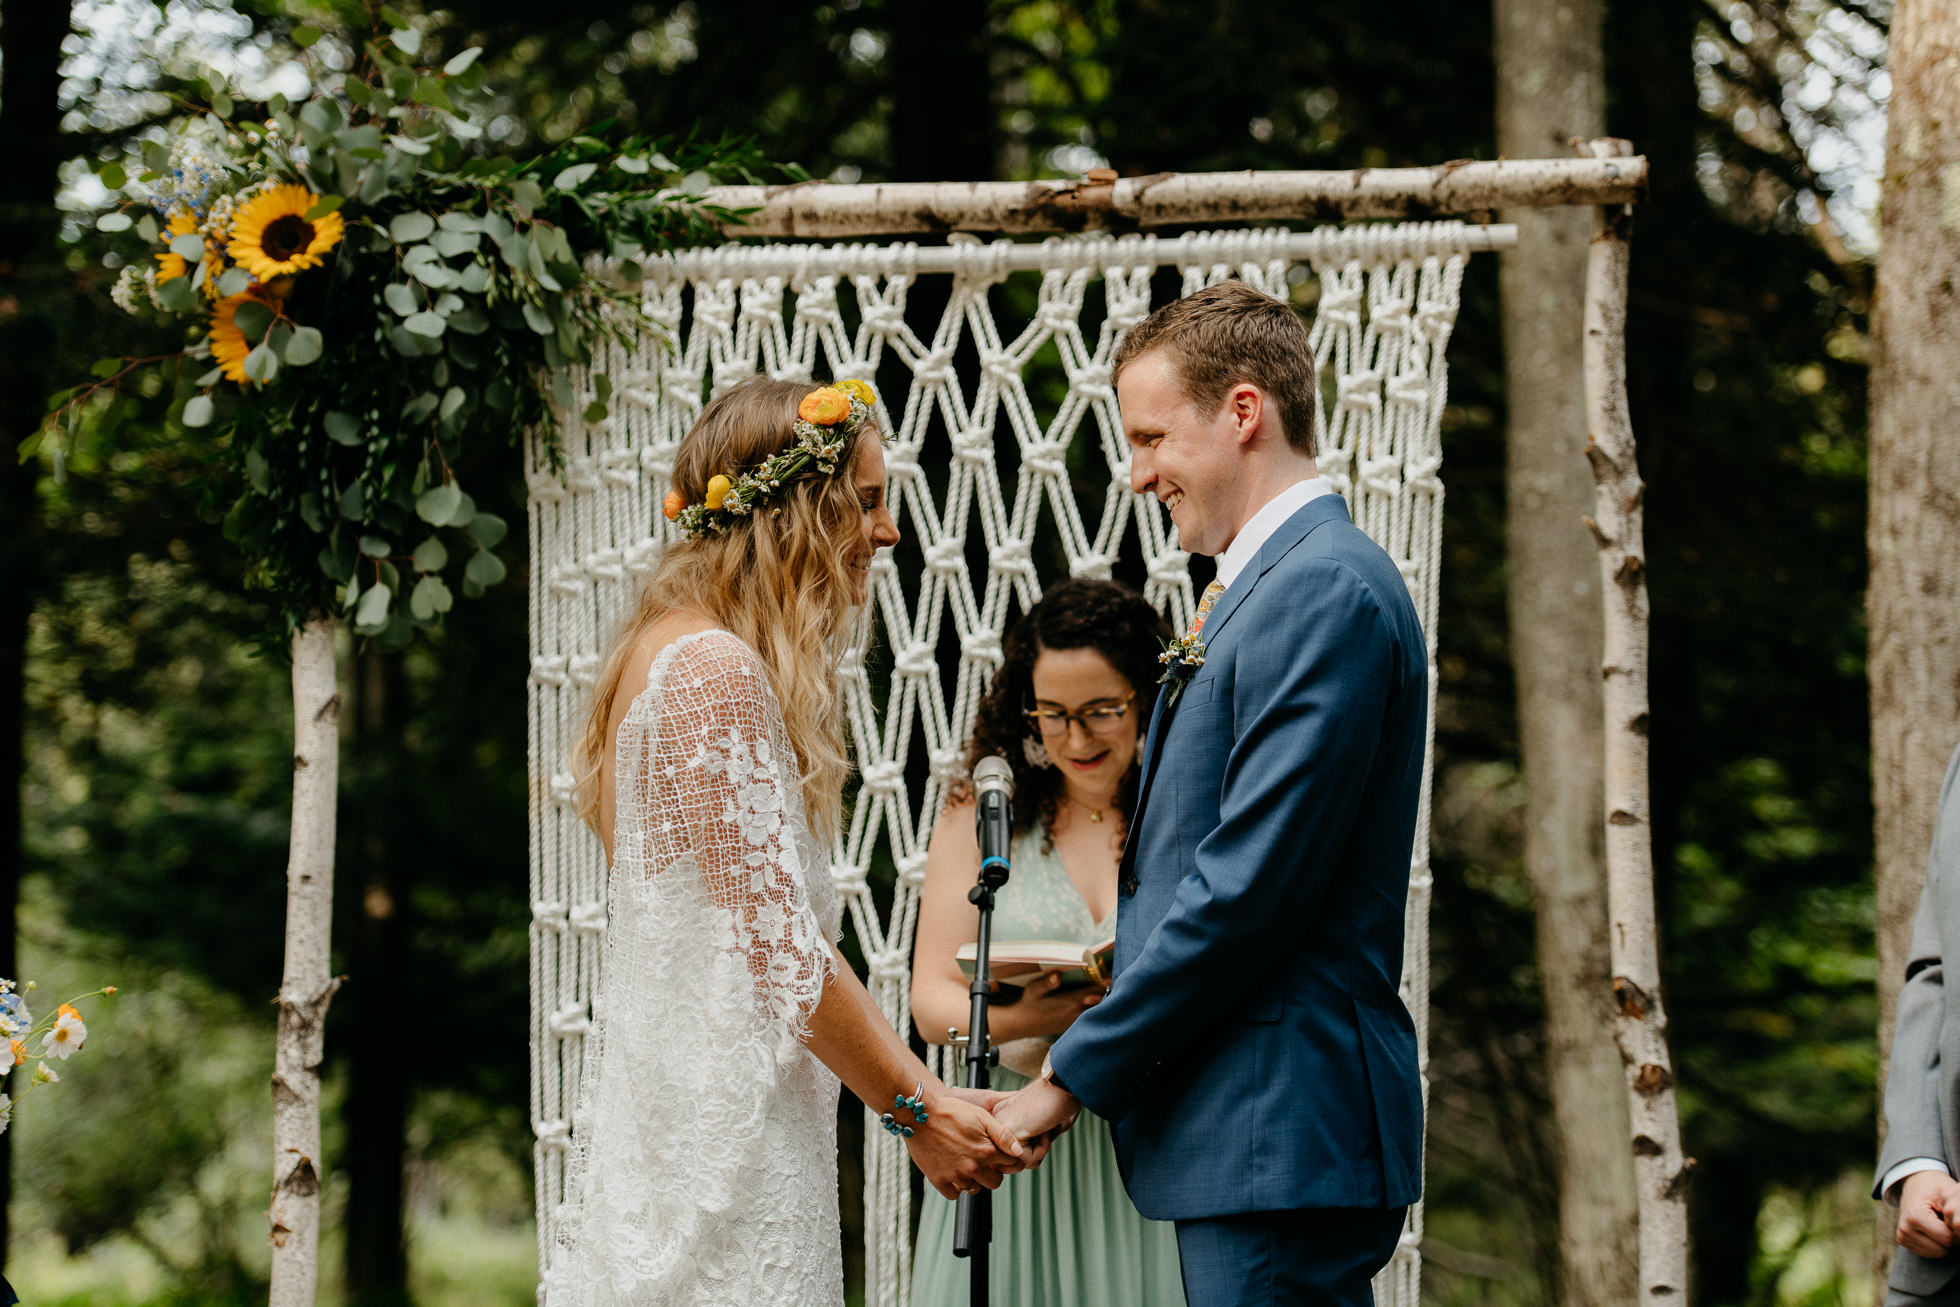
776 579
1114 621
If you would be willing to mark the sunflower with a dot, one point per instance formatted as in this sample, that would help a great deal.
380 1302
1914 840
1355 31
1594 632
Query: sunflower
228 344
272 236
182 223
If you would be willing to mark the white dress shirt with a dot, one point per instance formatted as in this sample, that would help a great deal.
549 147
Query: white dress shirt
1895 1177
1260 526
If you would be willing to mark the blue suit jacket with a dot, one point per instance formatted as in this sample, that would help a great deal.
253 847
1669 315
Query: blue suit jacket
1254 1051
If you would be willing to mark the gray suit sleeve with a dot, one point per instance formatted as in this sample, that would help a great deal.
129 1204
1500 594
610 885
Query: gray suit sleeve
1912 1082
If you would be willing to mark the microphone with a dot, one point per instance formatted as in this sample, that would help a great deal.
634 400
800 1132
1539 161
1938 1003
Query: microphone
993 822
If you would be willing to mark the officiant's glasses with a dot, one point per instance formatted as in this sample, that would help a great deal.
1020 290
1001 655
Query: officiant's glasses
1105 720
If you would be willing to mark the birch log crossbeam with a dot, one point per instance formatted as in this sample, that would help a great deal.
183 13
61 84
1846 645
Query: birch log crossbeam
1102 201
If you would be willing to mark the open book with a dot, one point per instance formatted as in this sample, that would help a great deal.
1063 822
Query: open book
1019 961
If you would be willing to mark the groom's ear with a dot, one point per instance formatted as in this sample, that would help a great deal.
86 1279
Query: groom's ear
1247 409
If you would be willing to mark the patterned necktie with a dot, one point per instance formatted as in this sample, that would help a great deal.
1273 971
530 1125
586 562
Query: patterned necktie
1210 597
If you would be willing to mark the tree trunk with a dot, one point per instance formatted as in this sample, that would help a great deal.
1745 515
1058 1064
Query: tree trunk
1913 534
308 984
1640 1021
1551 90
31 32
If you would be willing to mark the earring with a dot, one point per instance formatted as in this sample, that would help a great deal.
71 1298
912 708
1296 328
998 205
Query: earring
1036 753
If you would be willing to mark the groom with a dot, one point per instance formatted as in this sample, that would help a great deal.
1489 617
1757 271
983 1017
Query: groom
1254 1052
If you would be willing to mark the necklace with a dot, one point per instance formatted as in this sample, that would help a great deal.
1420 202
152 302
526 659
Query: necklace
1095 814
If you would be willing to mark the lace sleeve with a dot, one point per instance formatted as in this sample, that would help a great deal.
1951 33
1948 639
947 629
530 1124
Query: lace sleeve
709 792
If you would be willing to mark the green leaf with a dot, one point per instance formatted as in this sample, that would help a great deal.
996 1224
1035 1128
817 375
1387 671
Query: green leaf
375 547
452 399
527 195
424 323
344 428
539 320
602 387
452 243
113 176
327 204
484 568
221 104
114 222
430 556
595 411
314 514
389 576
632 163
177 294
105 368
474 278
304 36
468 321
393 16
461 63
407 228
330 563
373 610
407 40
253 318
571 178
198 410
233 280
188 247
211 378
353 502
487 529
465 512
419 408
146 227
258 472
410 145
305 347
436 506
262 364
400 297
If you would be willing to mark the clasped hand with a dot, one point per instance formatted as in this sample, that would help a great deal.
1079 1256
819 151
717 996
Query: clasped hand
1038 1115
961 1148
1929 1213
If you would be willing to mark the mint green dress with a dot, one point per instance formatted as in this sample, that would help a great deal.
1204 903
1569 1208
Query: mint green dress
1065 1235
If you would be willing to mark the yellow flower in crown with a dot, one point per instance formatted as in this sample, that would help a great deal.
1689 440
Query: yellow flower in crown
860 391
272 236
825 406
718 488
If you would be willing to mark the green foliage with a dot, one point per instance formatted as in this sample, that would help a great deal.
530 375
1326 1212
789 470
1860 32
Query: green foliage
402 298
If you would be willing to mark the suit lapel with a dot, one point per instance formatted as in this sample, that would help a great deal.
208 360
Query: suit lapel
1325 508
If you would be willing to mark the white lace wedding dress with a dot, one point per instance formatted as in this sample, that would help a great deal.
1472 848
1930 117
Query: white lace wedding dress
703 1165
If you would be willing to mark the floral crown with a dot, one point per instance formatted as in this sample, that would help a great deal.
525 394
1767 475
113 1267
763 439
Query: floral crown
826 422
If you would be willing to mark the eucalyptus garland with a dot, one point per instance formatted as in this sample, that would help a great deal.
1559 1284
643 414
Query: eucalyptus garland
365 293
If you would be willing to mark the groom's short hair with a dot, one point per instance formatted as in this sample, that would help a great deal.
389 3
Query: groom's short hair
1231 333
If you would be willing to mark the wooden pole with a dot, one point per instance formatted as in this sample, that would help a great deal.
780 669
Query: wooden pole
308 984
1640 1022
832 210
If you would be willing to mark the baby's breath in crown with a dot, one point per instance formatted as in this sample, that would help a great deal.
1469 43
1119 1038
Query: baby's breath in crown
826 422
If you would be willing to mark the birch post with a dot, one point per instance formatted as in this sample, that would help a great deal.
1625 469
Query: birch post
1640 1021
307 986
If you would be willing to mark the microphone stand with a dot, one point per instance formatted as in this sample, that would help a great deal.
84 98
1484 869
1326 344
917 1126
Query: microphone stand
973 1226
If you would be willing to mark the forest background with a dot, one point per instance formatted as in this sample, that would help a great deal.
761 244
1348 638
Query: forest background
155 736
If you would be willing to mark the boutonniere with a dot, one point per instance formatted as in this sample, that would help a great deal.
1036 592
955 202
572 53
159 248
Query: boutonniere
1181 658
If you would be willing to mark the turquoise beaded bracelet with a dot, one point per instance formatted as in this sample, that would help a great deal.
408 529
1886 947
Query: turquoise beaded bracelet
916 1105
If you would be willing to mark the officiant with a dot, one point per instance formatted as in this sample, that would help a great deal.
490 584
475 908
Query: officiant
1066 710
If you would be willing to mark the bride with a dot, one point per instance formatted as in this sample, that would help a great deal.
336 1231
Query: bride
703 1164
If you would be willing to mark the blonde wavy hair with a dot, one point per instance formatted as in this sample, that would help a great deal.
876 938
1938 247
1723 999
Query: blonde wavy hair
777 580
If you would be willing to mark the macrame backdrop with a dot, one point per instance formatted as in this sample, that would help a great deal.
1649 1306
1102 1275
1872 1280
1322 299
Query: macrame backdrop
1008 468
